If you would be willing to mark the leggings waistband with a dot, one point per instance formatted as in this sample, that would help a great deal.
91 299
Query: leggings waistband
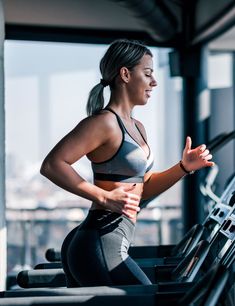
107 221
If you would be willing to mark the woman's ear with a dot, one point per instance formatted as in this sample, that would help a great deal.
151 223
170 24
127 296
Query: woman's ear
125 74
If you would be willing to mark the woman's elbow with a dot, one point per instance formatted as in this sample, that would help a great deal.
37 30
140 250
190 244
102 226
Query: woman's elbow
45 168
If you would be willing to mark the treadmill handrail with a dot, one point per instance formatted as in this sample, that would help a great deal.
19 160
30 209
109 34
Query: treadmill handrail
220 141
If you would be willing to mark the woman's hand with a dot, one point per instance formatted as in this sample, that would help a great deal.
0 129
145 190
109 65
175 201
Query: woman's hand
195 159
122 201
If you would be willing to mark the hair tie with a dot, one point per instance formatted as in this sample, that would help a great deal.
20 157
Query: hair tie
104 83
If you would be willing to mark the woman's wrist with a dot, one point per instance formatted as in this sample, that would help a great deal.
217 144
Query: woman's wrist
182 166
102 199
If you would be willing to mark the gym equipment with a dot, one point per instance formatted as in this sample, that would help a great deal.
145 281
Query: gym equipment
186 270
218 276
205 292
153 267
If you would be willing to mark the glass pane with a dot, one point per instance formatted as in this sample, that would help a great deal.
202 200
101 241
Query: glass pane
221 119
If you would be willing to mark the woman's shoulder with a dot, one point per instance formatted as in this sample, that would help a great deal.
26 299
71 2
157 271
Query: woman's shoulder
102 121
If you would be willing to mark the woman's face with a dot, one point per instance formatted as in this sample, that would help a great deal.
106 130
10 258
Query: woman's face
141 81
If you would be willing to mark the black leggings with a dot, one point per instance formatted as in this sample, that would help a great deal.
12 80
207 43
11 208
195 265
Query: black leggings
96 252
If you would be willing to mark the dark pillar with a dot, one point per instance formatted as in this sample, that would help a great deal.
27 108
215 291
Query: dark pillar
191 65
194 125
190 62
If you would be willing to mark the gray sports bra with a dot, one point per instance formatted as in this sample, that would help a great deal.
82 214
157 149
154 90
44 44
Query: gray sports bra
129 164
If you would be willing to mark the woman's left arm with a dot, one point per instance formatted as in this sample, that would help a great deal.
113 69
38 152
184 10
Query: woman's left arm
193 159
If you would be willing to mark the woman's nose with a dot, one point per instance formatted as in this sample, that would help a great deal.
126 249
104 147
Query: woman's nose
154 82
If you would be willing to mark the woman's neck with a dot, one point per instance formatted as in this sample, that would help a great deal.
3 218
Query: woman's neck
121 105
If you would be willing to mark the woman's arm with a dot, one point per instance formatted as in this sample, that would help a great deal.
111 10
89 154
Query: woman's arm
158 182
57 164
89 134
193 159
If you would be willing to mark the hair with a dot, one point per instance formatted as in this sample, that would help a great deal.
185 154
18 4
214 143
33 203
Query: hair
121 53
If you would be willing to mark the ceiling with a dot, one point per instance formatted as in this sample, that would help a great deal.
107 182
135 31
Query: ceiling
157 22
89 14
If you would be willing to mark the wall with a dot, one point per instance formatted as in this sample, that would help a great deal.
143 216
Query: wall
2 157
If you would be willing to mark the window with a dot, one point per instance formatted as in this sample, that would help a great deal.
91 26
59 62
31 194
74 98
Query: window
47 86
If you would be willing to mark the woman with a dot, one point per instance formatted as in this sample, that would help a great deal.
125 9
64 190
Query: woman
96 253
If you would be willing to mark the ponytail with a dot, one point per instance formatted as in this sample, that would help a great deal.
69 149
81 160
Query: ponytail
121 53
95 100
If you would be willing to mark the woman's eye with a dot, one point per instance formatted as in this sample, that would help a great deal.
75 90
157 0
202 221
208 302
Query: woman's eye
148 75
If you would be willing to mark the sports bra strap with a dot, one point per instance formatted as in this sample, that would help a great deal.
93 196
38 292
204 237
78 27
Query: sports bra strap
121 124
141 134
112 111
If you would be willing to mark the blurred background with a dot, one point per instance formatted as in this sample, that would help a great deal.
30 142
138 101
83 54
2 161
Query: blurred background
52 51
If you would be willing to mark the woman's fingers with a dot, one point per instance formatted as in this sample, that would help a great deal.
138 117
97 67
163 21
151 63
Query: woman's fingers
131 202
201 148
210 164
131 207
197 158
133 196
188 144
124 202
208 157
205 153
128 214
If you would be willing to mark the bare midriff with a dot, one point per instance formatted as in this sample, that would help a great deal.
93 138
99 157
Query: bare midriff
108 185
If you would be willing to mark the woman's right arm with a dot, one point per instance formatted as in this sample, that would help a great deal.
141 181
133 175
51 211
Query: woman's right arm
88 135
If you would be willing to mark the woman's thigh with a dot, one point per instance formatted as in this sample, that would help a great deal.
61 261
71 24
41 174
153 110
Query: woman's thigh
122 268
100 256
86 260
